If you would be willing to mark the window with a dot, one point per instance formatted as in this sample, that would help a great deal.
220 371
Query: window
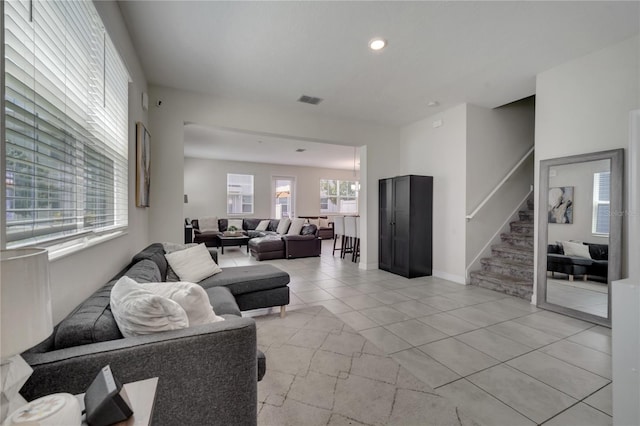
239 194
66 109
339 196
601 186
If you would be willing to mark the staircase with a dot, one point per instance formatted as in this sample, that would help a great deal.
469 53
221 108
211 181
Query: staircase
510 268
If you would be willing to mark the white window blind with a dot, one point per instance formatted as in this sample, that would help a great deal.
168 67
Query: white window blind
239 194
66 108
601 201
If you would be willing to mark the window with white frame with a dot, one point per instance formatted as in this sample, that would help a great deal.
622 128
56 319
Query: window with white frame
601 200
339 196
239 194
66 109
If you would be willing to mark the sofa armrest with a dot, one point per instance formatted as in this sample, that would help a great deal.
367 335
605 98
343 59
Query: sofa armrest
207 374
301 246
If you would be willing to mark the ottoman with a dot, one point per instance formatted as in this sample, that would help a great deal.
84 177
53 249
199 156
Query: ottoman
268 247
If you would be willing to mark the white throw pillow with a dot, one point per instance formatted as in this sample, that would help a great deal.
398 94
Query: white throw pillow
296 226
209 223
263 225
235 222
283 226
170 248
315 222
138 311
193 264
324 223
192 297
576 249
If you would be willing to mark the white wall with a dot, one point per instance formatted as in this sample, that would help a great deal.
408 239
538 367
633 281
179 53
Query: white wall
441 153
205 181
497 139
379 151
76 276
583 106
580 177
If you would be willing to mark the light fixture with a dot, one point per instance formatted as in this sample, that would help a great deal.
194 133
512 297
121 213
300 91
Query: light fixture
433 103
300 150
377 44
25 318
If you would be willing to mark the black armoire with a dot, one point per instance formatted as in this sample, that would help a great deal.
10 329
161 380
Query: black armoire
406 215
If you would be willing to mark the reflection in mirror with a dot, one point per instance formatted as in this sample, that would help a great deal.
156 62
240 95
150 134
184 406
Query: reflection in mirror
579 244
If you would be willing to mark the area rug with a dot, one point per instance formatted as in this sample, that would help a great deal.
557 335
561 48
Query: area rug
322 372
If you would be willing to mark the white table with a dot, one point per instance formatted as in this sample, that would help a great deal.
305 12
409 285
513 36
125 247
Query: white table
142 395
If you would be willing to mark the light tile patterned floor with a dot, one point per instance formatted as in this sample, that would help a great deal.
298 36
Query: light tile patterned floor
502 360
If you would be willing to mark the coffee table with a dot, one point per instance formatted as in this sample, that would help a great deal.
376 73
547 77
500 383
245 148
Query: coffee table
240 241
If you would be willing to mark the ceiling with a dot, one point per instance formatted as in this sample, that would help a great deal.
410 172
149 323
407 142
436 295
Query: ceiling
484 53
225 144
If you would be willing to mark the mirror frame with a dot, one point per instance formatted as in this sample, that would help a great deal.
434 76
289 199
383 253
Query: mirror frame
615 230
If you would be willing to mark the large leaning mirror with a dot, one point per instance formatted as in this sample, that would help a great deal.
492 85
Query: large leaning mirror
580 234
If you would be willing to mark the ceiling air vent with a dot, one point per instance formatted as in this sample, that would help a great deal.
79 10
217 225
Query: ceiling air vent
310 100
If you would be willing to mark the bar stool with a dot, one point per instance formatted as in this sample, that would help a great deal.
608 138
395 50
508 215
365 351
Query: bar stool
356 245
338 231
350 235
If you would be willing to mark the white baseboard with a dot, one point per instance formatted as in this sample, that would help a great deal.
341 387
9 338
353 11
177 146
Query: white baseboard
449 277
368 266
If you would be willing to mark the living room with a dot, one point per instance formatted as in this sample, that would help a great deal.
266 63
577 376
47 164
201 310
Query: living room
583 94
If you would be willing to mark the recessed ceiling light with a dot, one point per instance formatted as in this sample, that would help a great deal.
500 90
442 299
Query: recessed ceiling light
377 44
433 103
300 150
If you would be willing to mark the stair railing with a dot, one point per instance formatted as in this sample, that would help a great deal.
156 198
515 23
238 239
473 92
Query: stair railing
495 235
501 183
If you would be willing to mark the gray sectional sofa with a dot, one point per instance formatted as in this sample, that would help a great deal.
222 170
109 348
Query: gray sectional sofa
207 374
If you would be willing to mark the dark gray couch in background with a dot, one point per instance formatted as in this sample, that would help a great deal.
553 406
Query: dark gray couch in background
207 374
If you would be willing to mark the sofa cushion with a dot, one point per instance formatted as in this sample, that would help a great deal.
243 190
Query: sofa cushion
247 279
575 249
155 253
91 322
170 248
263 225
144 271
267 243
138 311
598 251
309 230
222 301
208 224
296 226
193 264
251 224
283 226
191 297
273 225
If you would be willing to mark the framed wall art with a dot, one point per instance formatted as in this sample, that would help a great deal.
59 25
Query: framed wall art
143 166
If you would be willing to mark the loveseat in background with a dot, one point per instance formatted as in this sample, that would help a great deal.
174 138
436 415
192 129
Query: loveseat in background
207 373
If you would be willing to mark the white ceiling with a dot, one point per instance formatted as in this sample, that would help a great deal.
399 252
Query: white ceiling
225 144
485 53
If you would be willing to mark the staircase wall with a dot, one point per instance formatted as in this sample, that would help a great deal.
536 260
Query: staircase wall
497 139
